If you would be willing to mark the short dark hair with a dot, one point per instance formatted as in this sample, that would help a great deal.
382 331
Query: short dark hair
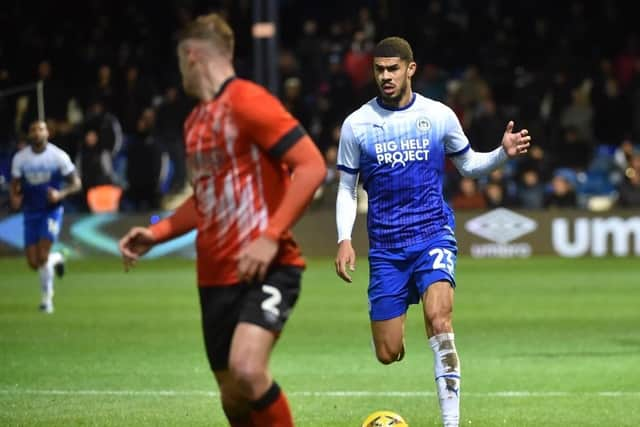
393 47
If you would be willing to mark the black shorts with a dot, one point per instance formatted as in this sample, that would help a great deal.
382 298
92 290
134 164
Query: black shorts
267 305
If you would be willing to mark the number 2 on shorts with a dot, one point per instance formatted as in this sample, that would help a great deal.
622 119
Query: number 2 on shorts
270 304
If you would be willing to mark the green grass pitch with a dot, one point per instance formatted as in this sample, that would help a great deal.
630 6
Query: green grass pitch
543 342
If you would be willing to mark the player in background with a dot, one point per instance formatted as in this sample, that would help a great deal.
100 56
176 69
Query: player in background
254 170
396 144
39 173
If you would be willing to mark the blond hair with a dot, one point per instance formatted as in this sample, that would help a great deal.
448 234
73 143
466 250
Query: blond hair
213 28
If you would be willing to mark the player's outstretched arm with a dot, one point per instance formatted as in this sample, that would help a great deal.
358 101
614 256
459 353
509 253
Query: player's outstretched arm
474 164
139 240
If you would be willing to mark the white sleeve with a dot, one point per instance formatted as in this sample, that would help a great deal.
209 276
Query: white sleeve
346 205
474 164
66 166
16 166
348 150
455 141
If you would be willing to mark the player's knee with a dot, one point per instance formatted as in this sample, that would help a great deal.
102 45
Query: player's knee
232 404
387 354
440 323
249 377
33 263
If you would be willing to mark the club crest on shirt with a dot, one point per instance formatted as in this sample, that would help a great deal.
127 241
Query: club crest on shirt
423 124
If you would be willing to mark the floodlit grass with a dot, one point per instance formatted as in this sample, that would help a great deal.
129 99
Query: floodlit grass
542 342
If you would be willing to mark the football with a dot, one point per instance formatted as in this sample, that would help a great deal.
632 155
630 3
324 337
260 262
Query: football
384 419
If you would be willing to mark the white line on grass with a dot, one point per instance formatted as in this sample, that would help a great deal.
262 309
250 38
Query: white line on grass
171 393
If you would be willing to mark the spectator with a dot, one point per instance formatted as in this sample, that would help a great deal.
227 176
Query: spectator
634 100
105 124
630 188
498 189
170 116
146 167
357 61
55 97
623 154
486 124
308 50
431 81
294 102
611 110
562 194
573 150
530 193
134 97
336 91
468 196
494 196
578 115
7 114
94 166
103 90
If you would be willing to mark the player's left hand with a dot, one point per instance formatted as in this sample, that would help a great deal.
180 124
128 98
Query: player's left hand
53 195
254 260
515 143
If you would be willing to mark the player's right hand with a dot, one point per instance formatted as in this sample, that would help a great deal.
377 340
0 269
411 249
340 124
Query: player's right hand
134 244
346 257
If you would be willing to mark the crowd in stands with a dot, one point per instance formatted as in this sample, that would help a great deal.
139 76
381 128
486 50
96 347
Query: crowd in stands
569 72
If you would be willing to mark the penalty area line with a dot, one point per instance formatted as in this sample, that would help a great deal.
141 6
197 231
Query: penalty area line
329 393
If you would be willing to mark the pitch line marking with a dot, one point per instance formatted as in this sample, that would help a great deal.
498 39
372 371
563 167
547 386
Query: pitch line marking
337 393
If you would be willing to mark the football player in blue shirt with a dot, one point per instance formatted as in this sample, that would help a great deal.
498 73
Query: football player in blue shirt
38 173
396 145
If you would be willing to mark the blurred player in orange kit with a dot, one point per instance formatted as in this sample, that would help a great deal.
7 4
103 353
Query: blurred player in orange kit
254 170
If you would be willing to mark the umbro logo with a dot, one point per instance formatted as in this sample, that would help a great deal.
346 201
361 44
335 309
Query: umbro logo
501 225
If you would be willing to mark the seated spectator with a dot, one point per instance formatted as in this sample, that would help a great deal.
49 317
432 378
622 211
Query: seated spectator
468 195
562 194
494 195
630 188
623 153
530 190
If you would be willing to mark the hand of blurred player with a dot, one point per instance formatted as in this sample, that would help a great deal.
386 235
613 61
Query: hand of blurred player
53 195
515 143
134 244
255 258
346 257
15 201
